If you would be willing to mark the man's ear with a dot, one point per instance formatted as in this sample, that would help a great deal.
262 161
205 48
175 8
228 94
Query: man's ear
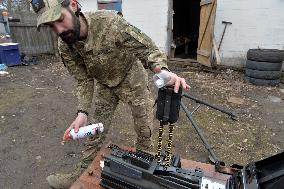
74 5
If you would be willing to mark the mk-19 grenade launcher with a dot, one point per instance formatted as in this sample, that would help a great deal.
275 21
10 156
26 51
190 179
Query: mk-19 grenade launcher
124 169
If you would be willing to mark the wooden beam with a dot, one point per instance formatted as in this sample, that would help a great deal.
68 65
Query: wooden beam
206 2
203 53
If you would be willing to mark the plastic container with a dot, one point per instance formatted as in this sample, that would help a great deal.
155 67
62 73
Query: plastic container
86 131
10 54
162 78
3 67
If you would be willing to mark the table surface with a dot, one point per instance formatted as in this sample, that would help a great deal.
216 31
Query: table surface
91 177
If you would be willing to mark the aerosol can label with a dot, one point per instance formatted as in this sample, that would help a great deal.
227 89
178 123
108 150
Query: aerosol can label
86 131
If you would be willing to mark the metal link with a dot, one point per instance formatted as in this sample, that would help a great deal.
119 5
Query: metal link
170 142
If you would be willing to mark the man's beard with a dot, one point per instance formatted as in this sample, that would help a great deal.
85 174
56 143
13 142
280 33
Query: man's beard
73 35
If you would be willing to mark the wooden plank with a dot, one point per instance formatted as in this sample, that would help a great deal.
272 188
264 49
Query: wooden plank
30 40
206 30
177 60
22 24
204 53
206 2
216 53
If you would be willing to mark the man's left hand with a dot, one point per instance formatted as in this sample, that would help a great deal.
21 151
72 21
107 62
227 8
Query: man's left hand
175 80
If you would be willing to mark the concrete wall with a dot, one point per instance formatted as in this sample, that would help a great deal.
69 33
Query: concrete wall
255 23
148 15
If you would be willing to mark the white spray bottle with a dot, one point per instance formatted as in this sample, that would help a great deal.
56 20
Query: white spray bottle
89 130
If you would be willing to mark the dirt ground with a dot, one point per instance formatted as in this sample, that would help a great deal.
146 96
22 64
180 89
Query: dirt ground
38 104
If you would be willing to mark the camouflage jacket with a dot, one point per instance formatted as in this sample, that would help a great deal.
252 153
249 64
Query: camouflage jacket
111 48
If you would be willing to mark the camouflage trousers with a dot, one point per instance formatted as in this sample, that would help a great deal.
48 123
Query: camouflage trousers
135 92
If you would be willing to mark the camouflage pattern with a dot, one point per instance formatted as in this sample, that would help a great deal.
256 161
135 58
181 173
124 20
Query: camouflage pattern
49 13
112 47
115 54
135 92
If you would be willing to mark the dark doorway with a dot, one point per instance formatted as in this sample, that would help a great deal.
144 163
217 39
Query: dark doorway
186 28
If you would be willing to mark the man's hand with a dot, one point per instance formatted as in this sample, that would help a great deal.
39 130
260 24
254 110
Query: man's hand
81 120
175 80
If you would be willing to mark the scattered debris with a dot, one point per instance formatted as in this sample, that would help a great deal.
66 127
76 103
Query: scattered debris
229 71
236 100
38 157
2 73
240 148
274 99
3 67
71 154
26 60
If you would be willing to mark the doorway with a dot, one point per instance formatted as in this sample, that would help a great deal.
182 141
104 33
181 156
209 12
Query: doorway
186 20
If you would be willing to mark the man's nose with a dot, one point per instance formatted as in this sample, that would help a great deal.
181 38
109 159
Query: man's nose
57 28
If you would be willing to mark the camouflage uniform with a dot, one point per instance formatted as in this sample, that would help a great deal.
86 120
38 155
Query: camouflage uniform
115 54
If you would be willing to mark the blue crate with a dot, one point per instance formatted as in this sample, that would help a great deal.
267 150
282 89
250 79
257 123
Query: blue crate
10 54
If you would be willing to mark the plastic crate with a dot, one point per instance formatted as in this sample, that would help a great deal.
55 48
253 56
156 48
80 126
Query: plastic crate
10 54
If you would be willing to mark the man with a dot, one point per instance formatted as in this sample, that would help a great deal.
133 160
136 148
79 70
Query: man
101 45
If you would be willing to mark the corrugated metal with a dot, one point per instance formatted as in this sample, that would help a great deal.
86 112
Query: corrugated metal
30 40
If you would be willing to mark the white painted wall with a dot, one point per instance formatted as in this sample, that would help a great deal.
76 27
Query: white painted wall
148 15
255 23
89 5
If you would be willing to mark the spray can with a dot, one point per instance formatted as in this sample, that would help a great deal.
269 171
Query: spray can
161 78
89 130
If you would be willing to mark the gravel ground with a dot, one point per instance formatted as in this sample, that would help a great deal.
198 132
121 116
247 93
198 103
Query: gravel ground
38 104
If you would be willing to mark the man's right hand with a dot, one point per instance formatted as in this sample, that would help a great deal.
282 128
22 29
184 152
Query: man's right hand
80 121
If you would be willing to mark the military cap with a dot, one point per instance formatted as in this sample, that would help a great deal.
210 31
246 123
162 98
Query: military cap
47 10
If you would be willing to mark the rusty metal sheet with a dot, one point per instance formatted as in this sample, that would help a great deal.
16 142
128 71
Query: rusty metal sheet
91 177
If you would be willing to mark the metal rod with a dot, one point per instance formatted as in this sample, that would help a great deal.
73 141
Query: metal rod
195 109
233 116
199 132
